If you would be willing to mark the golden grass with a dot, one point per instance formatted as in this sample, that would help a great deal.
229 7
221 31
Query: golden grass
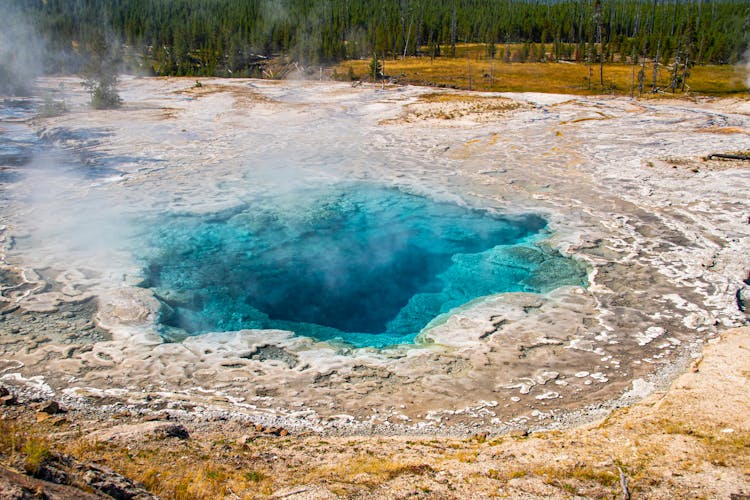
464 456
720 447
23 445
182 470
479 73
218 466
366 469
37 450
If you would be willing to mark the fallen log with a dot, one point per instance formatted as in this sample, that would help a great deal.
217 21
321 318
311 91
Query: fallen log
723 156
624 484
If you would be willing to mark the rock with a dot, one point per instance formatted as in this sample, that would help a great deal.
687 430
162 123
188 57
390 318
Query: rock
743 299
15 491
64 478
518 433
51 470
15 486
142 431
156 417
7 400
3 391
244 440
110 483
276 431
50 408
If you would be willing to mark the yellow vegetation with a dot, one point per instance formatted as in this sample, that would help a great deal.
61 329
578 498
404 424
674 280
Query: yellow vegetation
181 469
480 73
366 468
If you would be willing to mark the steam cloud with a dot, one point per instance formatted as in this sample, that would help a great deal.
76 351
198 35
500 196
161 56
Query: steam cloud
21 50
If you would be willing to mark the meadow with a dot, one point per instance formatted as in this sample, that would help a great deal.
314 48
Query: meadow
472 69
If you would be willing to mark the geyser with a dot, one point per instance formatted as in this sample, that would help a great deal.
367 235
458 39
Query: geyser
367 265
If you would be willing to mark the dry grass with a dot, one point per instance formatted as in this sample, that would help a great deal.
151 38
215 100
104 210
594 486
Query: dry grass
23 445
674 445
182 470
724 447
366 469
467 456
479 73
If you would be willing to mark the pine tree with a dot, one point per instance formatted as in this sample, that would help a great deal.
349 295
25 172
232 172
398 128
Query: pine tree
376 68
100 71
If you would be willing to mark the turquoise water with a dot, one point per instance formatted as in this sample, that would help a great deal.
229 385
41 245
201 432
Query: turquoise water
362 264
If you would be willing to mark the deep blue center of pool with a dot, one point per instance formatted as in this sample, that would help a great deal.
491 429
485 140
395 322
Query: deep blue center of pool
370 266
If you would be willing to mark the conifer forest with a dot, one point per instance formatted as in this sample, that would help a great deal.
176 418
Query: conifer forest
235 37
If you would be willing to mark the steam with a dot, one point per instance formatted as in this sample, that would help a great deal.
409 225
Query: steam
21 51
63 213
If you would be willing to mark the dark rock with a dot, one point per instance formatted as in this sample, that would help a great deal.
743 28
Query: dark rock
52 473
50 408
175 430
110 483
7 400
276 431
156 417
15 486
10 309
273 353
141 432
55 477
743 299
519 433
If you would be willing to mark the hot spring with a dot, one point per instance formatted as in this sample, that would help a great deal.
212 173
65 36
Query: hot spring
360 264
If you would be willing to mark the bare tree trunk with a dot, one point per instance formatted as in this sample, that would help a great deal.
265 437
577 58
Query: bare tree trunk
656 67
405 10
600 41
632 51
632 81
406 41
685 71
454 22
382 71
642 72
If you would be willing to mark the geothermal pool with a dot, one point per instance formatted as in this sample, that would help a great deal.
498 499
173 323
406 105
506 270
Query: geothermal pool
358 263
345 259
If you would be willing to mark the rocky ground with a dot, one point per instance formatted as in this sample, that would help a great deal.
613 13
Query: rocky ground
626 185
692 441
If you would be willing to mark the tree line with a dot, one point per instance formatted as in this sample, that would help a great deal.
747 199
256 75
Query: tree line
236 37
